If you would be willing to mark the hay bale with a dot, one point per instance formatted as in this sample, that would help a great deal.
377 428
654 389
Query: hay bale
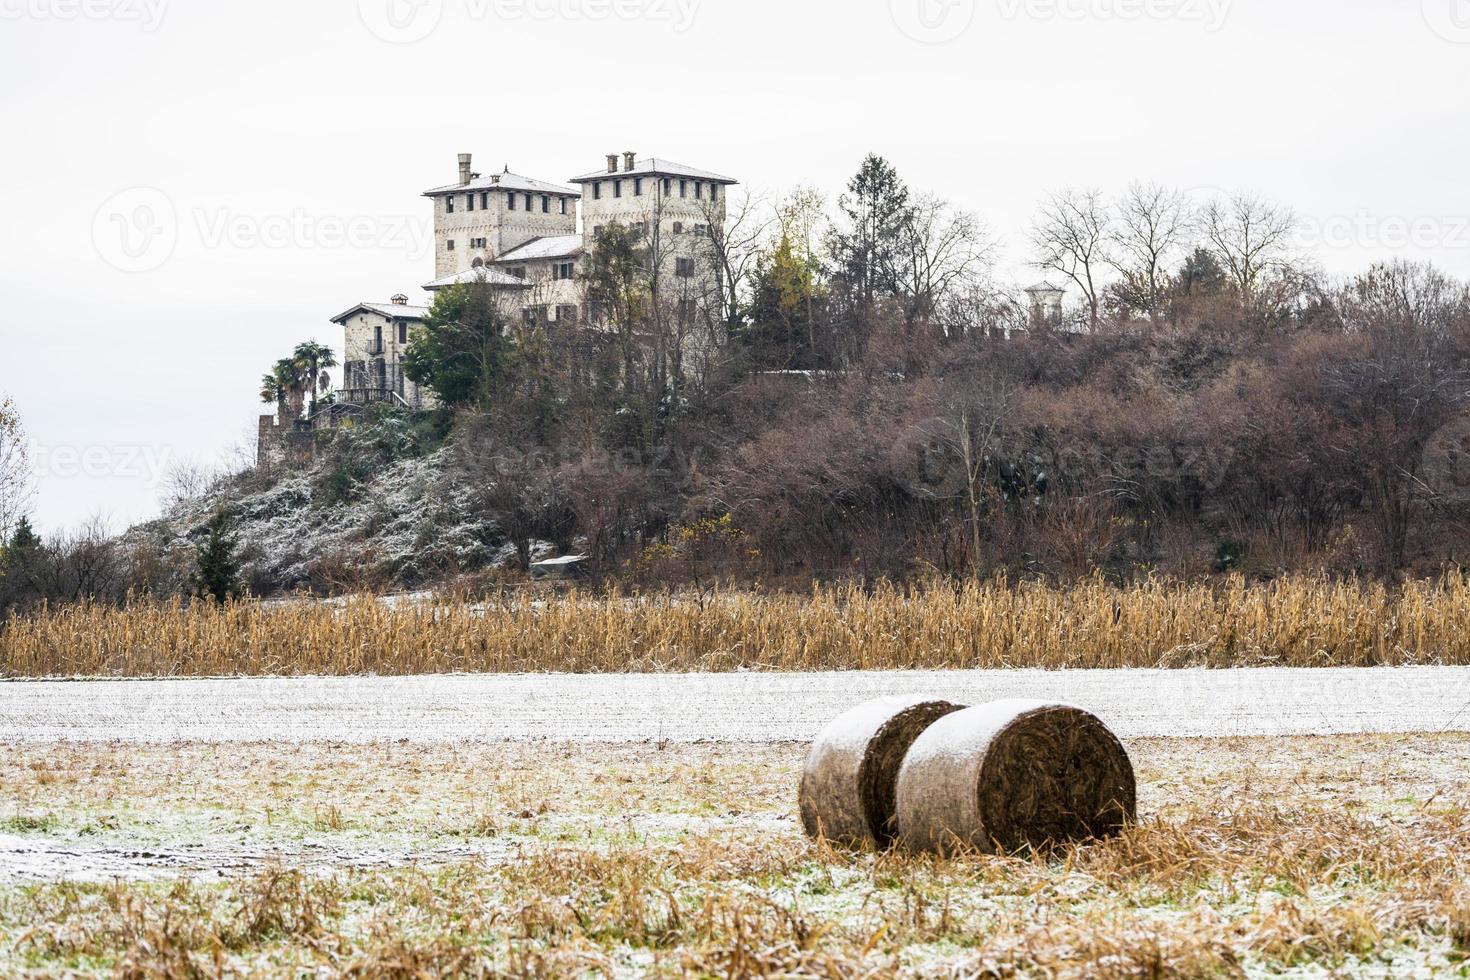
1012 774
848 783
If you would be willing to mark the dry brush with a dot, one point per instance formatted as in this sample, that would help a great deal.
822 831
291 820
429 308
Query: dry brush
1302 622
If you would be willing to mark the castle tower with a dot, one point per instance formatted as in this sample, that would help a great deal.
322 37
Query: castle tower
477 219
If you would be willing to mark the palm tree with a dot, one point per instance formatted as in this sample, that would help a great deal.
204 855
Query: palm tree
312 360
292 382
272 393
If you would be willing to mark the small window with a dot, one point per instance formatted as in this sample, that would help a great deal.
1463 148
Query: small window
563 270
469 202
377 338
529 205
403 332
566 314
510 201
617 188
683 188
597 190
545 203
698 191
714 192
684 268
449 245
449 204
668 186
563 204
678 227
637 186
484 200
519 272
597 231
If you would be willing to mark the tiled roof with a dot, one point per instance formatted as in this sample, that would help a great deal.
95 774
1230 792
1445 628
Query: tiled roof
662 168
391 310
551 247
493 276
506 182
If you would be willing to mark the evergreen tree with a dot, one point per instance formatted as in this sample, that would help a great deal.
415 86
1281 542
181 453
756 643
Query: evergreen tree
878 213
462 352
218 573
25 537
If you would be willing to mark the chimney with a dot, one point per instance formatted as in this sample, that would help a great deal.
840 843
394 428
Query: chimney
629 159
464 169
400 300
494 178
612 163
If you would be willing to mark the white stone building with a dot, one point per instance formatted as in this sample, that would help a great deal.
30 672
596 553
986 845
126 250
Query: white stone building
375 336
531 239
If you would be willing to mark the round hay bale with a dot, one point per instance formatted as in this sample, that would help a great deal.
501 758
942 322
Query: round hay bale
848 782
1000 777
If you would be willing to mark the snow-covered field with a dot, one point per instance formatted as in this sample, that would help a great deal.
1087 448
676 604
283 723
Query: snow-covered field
737 708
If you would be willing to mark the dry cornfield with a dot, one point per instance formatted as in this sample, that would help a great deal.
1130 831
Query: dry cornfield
1301 622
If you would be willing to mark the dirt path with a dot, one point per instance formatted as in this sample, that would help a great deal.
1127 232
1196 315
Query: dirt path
746 707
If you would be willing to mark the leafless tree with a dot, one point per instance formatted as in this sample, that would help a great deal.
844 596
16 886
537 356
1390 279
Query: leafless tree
1153 225
945 251
16 488
1073 236
1251 236
737 230
187 482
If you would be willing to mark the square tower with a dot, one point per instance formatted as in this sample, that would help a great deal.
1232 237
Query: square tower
477 219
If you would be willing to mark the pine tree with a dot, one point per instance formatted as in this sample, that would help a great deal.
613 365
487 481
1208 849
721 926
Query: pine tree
25 537
218 574
878 213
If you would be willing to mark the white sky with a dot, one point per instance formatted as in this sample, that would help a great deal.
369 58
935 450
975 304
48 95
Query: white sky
265 128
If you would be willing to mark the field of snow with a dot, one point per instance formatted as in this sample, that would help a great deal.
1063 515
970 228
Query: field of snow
734 708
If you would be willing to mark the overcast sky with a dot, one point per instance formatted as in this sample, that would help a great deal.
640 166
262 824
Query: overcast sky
190 187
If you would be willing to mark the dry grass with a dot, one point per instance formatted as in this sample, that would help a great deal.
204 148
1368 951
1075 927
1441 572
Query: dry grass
1304 622
1325 856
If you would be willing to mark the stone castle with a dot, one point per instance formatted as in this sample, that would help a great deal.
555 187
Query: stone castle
522 236
530 240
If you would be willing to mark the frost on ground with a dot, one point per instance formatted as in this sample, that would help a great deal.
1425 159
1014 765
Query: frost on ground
738 707
377 507
1306 856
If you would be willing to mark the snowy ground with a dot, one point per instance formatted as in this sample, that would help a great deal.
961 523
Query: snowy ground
736 708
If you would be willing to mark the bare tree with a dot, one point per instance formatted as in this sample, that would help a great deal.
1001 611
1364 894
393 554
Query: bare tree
16 488
1153 224
945 250
737 230
1250 236
187 482
1072 236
